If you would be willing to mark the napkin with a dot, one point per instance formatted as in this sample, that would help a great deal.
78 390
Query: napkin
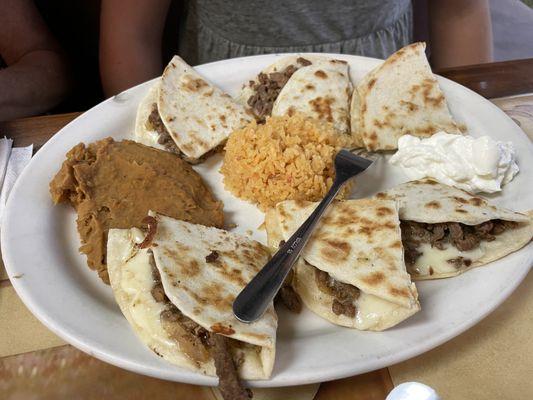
12 162
5 152
18 159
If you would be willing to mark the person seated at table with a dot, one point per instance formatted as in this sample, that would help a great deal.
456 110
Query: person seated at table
130 37
34 73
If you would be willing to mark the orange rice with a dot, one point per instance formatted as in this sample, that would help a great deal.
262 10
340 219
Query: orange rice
289 157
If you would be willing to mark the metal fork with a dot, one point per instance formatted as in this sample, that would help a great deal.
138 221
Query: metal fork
254 299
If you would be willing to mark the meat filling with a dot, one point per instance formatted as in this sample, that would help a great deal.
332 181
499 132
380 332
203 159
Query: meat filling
344 295
463 237
267 88
154 122
229 384
200 345
290 299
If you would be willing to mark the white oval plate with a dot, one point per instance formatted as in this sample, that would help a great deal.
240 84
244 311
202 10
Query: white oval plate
40 244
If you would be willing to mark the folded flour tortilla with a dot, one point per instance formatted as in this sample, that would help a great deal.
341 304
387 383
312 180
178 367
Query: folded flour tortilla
351 272
182 284
146 133
317 87
447 231
197 115
401 96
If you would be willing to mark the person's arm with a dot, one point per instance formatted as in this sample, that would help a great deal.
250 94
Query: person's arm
36 77
460 32
130 42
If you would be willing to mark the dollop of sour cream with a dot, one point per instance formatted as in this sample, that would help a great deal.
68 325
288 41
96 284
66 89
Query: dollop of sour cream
472 164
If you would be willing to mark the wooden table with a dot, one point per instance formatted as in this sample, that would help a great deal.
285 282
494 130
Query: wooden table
490 80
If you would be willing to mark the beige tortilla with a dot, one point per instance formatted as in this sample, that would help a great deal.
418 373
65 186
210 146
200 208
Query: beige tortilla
130 275
401 96
198 115
321 90
355 120
202 291
205 291
358 243
143 134
431 202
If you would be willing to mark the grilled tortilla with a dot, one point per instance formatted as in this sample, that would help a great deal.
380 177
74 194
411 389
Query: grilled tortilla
176 286
351 272
447 231
146 132
401 96
312 85
186 114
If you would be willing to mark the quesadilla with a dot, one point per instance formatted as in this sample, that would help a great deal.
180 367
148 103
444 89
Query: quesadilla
186 114
176 284
447 231
401 96
315 86
149 129
351 271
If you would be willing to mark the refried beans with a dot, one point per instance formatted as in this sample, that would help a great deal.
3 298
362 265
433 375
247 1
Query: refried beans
114 185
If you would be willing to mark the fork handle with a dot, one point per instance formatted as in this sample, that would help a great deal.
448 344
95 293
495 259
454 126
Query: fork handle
254 299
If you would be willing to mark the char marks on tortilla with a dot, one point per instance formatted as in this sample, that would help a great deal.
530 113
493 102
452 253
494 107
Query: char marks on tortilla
351 272
357 243
198 115
321 90
453 217
401 96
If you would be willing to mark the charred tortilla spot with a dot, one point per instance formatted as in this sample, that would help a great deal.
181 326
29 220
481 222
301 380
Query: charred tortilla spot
411 107
374 278
371 83
379 124
322 106
342 247
399 292
432 204
303 61
194 85
373 137
476 201
310 86
396 245
382 196
383 211
365 230
224 330
460 200
291 111
321 74
460 210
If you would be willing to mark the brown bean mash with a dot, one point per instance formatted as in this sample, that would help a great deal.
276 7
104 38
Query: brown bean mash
114 185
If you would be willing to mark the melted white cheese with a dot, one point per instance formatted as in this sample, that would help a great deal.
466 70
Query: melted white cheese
374 313
137 282
437 259
472 164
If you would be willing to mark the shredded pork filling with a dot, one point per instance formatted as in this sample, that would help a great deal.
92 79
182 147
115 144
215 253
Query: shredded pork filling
201 345
461 236
267 88
344 295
